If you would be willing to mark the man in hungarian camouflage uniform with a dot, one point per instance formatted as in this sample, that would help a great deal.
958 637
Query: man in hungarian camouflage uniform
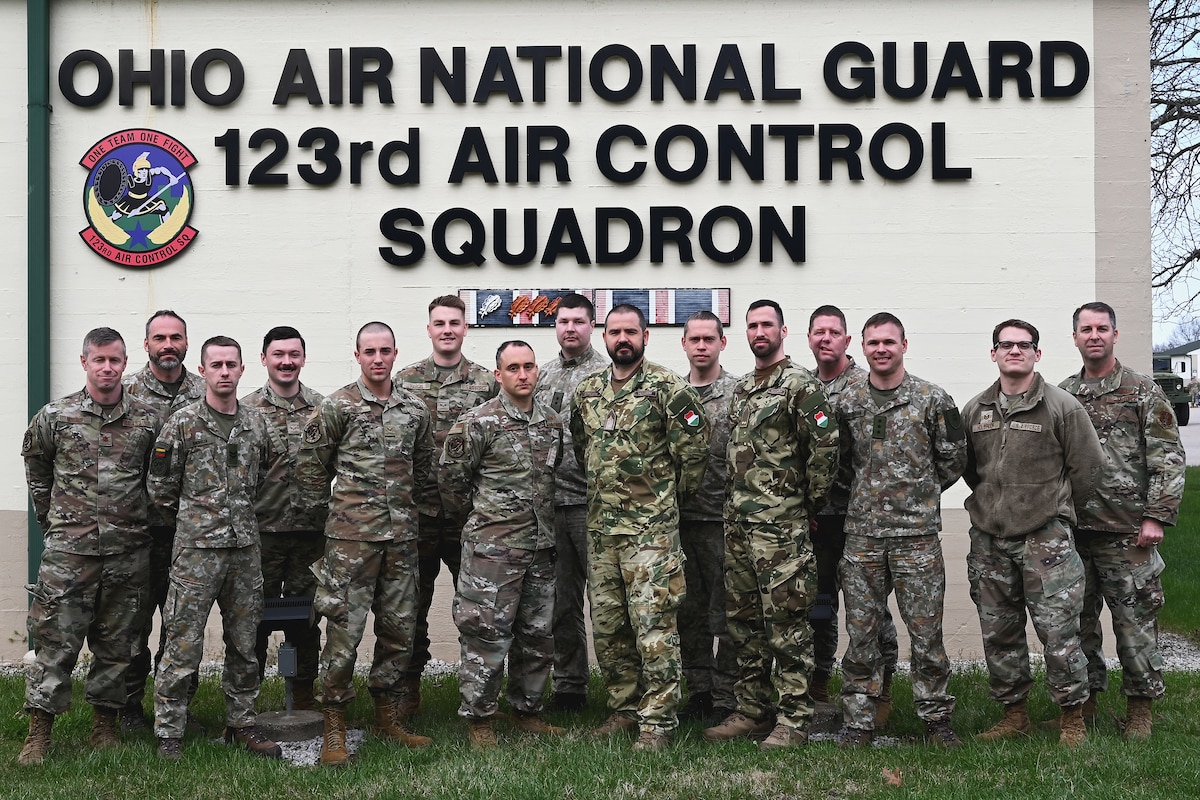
904 443
292 536
782 460
85 464
498 472
1121 525
829 341
449 384
557 381
640 433
166 385
1032 459
205 471
702 533
376 440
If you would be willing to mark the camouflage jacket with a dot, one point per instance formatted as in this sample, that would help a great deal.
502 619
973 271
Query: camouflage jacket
556 384
87 474
640 447
467 387
381 453
278 506
206 483
1143 473
839 495
708 502
498 466
783 447
899 457
1030 464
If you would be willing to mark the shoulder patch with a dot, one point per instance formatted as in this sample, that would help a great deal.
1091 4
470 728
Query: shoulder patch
954 425
821 418
160 459
27 442
312 432
456 446
691 419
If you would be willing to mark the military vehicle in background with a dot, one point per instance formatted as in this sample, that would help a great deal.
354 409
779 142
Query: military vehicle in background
1173 386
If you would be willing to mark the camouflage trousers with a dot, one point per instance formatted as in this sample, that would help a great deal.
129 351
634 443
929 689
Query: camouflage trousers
78 597
1127 577
352 579
570 585
635 584
1041 572
828 541
439 542
702 613
872 568
504 608
231 577
770 581
162 541
287 559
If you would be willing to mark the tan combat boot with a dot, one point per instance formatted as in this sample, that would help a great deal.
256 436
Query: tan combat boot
104 729
738 725
534 724
409 703
333 748
37 744
1014 723
1072 732
883 706
1139 722
481 735
389 725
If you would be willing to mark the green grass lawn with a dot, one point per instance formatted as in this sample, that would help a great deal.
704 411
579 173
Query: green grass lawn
1181 550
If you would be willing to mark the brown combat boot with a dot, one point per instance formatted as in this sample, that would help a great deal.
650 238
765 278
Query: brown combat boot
389 725
651 742
1139 722
1090 713
616 723
883 706
254 740
1072 732
408 704
37 744
481 735
532 723
737 725
783 736
303 698
1014 723
333 748
104 729
818 687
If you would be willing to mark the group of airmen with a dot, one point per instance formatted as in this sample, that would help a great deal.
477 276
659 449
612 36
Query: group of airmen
715 524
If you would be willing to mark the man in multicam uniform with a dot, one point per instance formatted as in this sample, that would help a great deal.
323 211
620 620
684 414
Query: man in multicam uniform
782 461
1032 459
573 324
904 443
1121 525
165 384
205 471
498 473
85 464
702 534
828 340
292 537
376 440
640 433
449 384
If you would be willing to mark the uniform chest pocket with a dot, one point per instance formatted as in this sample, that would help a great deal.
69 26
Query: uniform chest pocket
767 416
137 444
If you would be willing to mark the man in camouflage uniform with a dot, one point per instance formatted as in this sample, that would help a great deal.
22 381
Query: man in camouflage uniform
1121 525
292 537
782 460
166 385
702 534
903 444
640 433
498 471
205 471
85 464
376 440
573 324
828 340
449 384
1032 459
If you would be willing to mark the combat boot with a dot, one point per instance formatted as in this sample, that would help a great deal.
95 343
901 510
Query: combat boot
783 736
104 729
938 732
1014 723
737 725
616 723
1090 713
409 703
1072 732
481 735
37 744
133 719
333 748
532 723
818 687
883 706
302 697
254 741
388 724
1139 723
698 707
651 742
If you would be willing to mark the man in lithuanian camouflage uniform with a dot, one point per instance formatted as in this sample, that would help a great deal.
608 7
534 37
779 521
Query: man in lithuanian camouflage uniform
640 433
449 384
782 460
557 381
1032 459
166 385
85 464
702 626
903 444
1121 525
498 473
376 440
293 537
205 471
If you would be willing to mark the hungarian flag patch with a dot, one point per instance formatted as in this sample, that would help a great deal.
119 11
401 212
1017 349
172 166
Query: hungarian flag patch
821 419
691 418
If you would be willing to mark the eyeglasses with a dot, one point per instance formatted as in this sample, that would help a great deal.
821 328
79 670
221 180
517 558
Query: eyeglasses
1023 346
